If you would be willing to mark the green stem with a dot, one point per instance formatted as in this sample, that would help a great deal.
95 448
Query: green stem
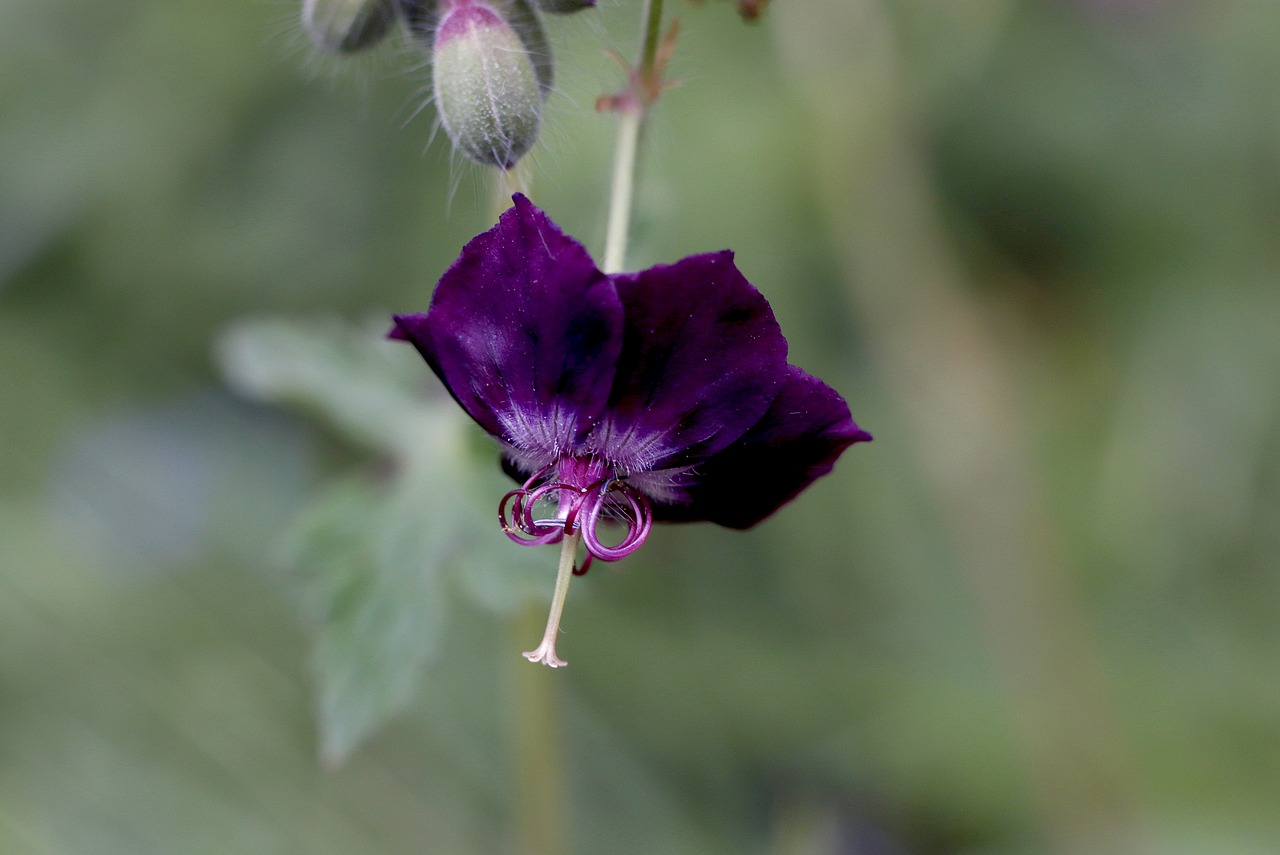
624 172
633 116
652 16
517 179
542 816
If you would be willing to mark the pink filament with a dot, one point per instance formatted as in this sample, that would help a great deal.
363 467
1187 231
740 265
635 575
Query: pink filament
580 509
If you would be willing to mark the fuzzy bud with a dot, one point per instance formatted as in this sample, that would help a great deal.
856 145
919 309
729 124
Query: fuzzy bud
422 17
346 26
486 86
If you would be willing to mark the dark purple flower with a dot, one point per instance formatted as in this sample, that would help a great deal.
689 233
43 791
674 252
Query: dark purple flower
659 395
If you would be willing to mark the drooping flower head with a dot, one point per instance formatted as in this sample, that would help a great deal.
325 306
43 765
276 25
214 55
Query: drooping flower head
659 395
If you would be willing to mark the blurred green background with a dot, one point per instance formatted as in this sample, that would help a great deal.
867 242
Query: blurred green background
1034 243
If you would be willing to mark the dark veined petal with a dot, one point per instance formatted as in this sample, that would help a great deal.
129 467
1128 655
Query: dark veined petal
702 359
805 429
525 332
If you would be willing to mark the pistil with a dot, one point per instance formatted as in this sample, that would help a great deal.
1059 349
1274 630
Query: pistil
546 651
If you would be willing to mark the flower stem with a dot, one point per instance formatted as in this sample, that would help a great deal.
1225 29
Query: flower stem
652 19
517 179
546 651
542 822
632 118
624 167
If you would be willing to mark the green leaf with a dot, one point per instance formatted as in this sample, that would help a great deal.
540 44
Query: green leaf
370 389
367 567
374 392
368 561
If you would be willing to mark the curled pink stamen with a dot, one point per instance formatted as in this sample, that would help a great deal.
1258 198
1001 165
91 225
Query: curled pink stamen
639 521
516 525
520 525
578 510
567 496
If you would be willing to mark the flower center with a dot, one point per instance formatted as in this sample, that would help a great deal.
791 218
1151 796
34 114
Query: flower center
576 495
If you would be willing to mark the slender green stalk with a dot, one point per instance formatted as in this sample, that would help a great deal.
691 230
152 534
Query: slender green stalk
517 179
542 816
649 36
543 821
541 809
632 117
624 174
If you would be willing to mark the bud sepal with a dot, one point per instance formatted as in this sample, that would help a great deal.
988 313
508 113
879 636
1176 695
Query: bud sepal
347 26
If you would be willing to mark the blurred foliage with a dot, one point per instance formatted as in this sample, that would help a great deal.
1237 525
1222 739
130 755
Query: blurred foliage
368 559
191 566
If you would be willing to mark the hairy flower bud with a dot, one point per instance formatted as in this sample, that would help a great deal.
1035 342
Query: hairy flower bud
487 88
346 26
422 17
564 7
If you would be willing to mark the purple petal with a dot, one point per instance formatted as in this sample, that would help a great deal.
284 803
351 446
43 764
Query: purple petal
807 427
525 332
701 361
